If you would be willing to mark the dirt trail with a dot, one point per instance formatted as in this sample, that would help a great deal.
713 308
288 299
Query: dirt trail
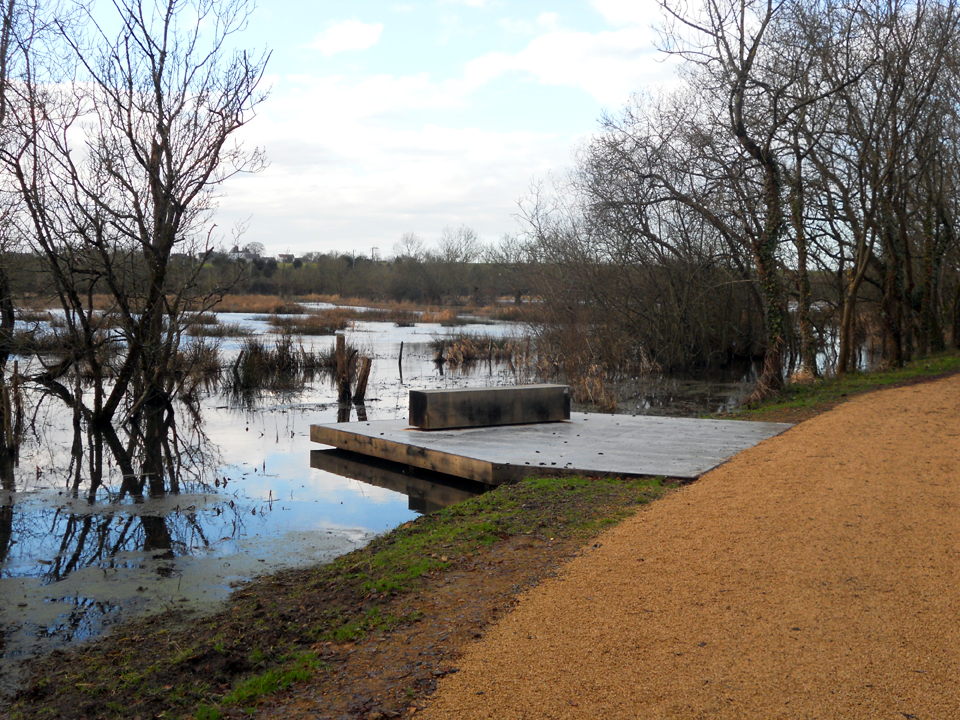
815 575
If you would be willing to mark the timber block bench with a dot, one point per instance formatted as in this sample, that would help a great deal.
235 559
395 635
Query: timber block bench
485 407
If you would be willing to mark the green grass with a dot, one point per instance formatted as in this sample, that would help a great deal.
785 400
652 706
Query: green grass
372 620
205 712
827 392
256 647
298 669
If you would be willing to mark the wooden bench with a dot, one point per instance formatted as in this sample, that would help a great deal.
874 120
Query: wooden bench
485 407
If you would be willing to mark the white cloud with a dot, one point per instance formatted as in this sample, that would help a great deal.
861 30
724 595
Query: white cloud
342 171
352 167
607 65
549 21
468 3
629 12
348 35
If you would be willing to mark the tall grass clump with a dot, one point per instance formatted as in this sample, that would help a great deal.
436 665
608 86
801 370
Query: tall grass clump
463 349
29 315
285 366
323 322
268 304
199 358
208 325
446 318
219 330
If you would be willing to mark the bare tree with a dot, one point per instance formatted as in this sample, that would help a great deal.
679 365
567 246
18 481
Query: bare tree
118 154
762 58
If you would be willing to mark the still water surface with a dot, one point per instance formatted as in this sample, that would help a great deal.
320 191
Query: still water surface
250 502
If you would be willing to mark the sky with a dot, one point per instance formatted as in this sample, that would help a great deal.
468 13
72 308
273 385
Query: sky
392 117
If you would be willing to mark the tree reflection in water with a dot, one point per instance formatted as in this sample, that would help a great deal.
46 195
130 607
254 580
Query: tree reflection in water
6 502
103 502
116 486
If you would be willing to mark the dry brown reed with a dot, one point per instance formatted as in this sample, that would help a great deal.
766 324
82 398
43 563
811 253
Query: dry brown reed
361 302
400 317
219 330
445 317
29 315
504 313
285 366
202 318
258 304
323 322
199 359
497 311
464 349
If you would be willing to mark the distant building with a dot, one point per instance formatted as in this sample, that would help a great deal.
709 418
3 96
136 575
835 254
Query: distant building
237 254
285 258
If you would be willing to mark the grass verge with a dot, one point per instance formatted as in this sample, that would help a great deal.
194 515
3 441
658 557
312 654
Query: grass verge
302 628
800 401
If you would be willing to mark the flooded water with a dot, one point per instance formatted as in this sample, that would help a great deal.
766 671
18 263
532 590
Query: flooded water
253 495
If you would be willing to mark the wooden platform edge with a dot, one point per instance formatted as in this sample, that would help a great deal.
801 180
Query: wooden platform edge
481 471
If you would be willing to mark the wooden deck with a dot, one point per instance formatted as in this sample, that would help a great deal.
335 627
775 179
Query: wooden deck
587 444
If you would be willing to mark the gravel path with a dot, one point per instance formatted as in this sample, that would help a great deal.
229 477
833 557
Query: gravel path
816 575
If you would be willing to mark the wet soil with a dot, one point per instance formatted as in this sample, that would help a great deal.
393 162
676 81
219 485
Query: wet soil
366 637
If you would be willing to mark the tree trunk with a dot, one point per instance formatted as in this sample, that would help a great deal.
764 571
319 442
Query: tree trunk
808 343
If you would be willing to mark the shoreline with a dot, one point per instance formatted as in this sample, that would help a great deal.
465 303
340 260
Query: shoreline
414 587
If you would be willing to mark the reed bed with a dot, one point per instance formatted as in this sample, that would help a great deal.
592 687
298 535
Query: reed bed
218 330
465 349
266 304
446 317
201 318
29 315
323 322
504 313
399 317
361 302
199 359
590 383
285 366
100 320
31 342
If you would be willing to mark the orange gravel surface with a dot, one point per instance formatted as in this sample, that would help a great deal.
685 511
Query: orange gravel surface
816 575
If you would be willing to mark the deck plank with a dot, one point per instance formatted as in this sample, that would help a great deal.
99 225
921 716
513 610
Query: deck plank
591 444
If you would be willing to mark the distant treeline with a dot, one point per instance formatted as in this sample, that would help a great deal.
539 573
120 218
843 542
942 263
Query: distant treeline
400 279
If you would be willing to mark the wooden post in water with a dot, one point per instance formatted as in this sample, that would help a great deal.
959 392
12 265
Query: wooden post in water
400 362
362 381
343 371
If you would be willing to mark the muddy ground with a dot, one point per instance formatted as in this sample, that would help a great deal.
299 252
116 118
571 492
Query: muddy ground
367 637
